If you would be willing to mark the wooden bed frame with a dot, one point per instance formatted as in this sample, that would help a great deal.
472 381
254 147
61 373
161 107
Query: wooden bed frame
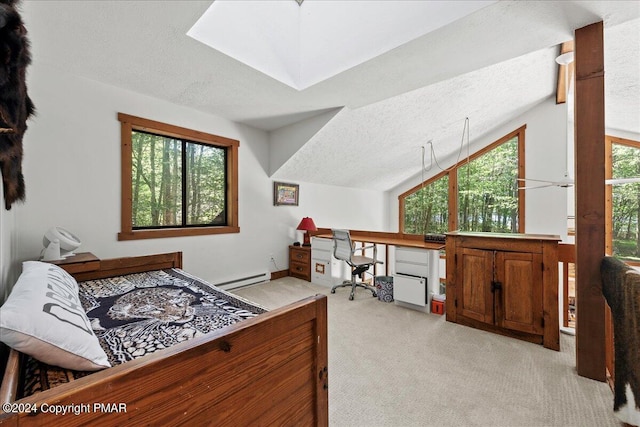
271 369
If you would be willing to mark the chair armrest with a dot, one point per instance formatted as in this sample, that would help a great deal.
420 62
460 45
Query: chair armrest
375 252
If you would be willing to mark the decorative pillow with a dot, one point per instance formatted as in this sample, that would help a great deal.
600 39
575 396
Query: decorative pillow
43 318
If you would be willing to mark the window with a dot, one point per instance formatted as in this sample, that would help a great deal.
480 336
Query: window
623 200
478 194
176 181
426 210
488 190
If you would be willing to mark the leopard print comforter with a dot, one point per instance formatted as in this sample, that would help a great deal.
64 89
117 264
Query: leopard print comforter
138 314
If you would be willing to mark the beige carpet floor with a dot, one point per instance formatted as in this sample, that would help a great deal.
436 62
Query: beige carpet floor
393 366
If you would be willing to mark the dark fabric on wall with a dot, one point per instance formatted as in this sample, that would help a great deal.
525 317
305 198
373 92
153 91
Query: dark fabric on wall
621 289
15 105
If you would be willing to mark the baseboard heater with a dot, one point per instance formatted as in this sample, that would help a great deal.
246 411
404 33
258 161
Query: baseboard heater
245 281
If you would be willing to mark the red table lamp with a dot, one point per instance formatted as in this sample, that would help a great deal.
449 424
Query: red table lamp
307 225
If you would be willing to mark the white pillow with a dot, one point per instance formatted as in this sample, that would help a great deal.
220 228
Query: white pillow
43 318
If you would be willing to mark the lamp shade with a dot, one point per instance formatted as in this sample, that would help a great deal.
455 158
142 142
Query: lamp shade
307 224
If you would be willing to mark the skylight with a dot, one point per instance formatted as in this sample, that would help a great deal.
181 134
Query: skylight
303 44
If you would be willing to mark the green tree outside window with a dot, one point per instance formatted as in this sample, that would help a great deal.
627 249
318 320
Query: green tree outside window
626 203
427 210
488 191
176 182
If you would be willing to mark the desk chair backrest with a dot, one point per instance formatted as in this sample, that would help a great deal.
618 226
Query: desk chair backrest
342 246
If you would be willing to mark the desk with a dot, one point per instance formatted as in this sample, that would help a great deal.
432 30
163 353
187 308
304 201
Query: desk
384 238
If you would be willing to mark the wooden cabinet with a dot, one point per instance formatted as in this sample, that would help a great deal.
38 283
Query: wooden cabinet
505 283
300 262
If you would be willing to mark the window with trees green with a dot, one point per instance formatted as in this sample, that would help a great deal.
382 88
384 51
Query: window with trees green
176 181
426 210
624 200
476 194
488 191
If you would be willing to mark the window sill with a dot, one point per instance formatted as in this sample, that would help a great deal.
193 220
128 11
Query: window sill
175 232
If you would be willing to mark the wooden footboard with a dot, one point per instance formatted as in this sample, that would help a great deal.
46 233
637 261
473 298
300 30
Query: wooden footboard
268 370
271 369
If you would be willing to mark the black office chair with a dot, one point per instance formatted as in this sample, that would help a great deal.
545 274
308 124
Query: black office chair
343 250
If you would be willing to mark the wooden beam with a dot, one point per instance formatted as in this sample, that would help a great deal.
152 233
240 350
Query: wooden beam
590 200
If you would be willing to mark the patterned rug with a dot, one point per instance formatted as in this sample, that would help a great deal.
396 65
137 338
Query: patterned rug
138 314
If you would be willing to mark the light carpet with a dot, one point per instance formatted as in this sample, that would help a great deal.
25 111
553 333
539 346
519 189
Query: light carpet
393 366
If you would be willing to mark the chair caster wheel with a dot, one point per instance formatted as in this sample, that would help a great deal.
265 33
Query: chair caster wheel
350 297
333 291
374 294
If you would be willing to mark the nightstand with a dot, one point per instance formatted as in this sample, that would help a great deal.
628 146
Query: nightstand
300 262
78 263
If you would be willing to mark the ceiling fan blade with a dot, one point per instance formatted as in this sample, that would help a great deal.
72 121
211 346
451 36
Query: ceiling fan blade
616 181
567 182
535 180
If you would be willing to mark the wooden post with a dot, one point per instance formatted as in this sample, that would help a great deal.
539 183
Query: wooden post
590 200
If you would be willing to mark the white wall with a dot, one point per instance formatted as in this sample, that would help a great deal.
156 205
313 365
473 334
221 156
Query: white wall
72 173
545 158
8 271
546 141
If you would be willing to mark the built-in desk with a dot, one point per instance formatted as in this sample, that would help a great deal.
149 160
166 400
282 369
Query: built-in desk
384 238
416 264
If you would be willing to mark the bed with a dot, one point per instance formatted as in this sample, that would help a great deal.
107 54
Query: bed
265 370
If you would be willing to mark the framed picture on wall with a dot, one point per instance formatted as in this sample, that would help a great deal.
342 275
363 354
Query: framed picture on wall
285 194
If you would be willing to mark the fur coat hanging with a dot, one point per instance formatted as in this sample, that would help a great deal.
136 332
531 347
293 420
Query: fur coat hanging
15 105
621 289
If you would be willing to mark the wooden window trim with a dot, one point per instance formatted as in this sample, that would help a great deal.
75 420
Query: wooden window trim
608 189
131 123
453 182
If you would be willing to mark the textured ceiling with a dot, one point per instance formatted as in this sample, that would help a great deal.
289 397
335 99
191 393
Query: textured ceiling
301 45
490 66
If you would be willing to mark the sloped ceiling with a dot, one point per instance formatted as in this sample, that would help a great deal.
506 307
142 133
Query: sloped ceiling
489 66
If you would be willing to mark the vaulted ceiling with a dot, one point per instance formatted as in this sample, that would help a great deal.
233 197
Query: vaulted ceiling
490 66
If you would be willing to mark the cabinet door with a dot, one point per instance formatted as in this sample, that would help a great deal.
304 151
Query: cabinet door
475 300
519 301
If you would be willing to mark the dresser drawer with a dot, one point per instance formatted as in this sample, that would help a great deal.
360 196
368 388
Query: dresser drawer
301 270
300 255
300 262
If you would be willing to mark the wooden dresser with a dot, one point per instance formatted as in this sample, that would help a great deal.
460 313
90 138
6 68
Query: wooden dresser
300 262
505 283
